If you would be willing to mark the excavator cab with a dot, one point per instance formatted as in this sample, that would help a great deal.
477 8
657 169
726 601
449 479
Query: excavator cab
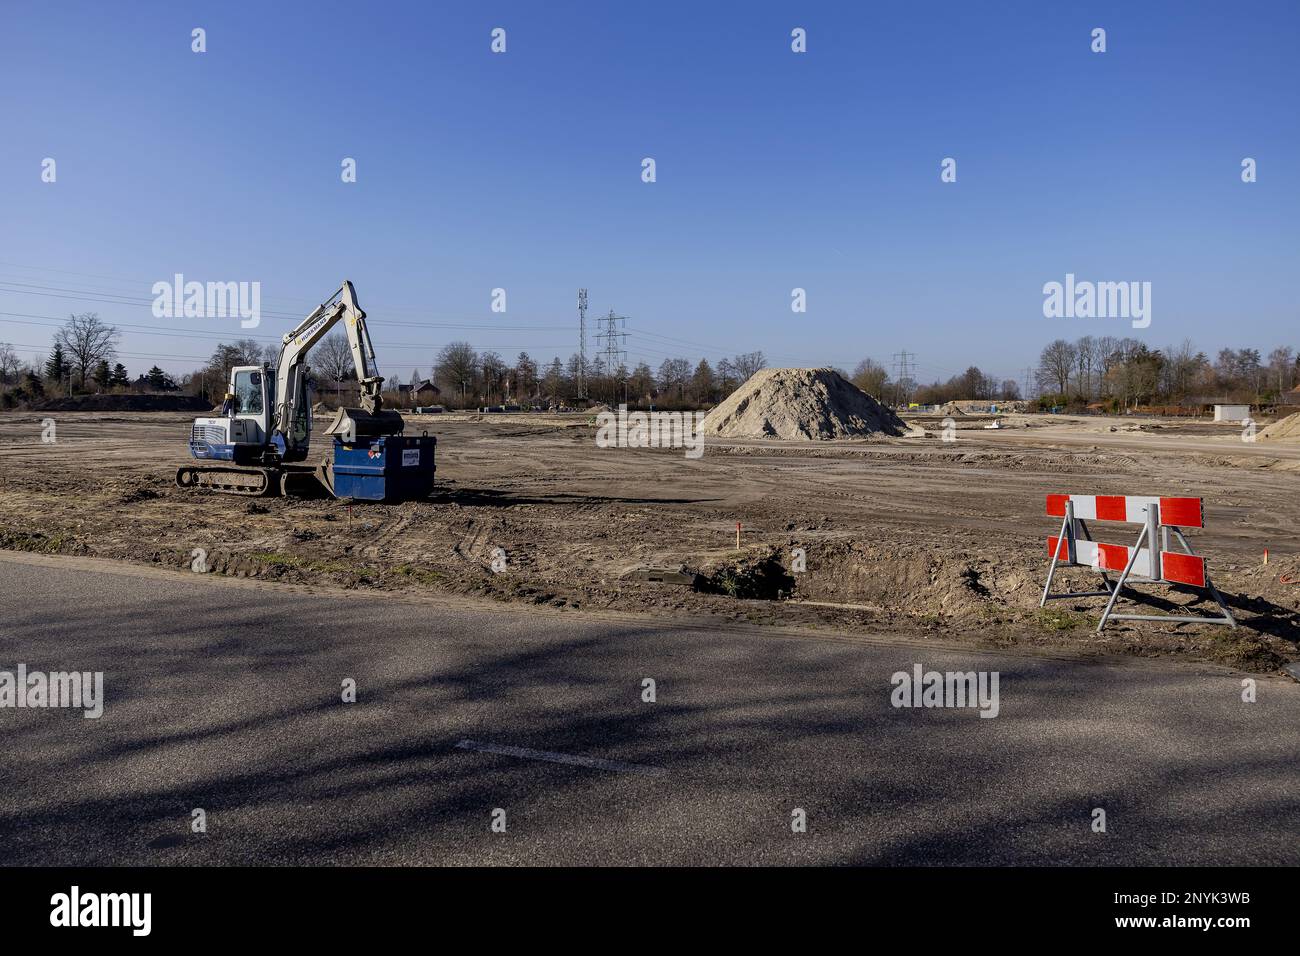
252 404
244 434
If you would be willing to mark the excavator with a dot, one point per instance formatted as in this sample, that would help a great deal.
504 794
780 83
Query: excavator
264 430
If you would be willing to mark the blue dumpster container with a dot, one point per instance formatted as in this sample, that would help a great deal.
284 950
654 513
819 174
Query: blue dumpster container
386 468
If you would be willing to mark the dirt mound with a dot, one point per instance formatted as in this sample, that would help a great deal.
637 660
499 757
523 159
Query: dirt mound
800 404
124 403
1285 429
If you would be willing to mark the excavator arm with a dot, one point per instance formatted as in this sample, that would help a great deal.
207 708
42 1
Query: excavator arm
370 418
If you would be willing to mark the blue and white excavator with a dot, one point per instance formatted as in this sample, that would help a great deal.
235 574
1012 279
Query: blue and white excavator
264 430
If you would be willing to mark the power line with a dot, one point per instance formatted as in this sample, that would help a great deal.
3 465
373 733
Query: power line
115 298
303 305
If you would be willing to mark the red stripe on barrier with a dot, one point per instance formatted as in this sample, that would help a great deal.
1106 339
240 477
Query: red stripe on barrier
1112 508
1183 568
1056 505
1114 557
1060 545
1183 512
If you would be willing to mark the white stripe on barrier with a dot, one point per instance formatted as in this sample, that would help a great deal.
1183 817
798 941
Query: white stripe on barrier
1102 557
1135 508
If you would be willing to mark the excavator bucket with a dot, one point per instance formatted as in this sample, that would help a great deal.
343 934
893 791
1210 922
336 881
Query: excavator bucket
349 424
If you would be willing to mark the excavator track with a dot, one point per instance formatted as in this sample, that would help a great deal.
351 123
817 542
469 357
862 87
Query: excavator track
249 482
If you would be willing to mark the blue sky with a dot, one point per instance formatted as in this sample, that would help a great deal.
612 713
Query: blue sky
775 170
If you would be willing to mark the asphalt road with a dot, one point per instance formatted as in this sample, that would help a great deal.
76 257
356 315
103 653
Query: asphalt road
226 696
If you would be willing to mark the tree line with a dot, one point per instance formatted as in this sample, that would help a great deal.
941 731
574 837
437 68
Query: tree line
467 377
1117 373
81 359
1121 373
874 379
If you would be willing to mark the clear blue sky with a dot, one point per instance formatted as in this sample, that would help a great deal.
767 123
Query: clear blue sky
775 170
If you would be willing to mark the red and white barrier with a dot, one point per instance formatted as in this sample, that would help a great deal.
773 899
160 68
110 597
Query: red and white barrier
1175 568
1181 512
1151 559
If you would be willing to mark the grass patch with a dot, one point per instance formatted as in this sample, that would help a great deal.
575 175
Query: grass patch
1058 619
292 562
418 575
34 541
1248 652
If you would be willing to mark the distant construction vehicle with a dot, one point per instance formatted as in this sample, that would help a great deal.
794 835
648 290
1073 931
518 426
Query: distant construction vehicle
265 426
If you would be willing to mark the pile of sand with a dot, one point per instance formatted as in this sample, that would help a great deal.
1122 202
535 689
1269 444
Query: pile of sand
1285 429
800 404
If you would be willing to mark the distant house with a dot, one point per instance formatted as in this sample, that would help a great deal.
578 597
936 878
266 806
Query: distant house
421 393
1204 404
1231 413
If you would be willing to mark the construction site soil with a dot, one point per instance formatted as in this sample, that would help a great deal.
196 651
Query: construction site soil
916 537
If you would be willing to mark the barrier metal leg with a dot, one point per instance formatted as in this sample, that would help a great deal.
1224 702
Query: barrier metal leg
1218 598
1051 571
1128 568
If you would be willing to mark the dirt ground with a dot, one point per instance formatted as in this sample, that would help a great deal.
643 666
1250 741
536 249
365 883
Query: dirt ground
912 536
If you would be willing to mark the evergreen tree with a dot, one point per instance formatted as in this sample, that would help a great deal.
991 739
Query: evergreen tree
119 377
554 383
57 367
102 374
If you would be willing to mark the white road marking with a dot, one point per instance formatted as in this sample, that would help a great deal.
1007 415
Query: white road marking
528 753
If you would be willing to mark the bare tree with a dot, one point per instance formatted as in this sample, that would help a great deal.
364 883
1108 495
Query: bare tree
457 366
871 376
747 364
494 372
1179 371
333 356
1055 365
9 364
87 341
1107 357
673 374
1281 364
642 381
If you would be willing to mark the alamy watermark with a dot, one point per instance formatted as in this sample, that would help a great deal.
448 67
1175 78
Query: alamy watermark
1098 300
211 300
83 690
946 689
132 911
651 430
